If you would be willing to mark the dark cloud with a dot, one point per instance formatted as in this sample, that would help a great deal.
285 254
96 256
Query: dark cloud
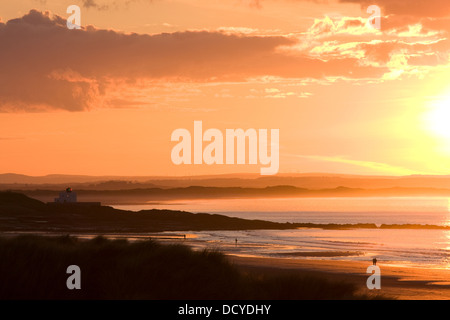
46 65
92 4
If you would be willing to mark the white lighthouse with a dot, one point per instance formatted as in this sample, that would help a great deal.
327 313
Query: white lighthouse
67 196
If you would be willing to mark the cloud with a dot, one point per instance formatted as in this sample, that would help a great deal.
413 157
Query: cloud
325 27
93 4
9 138
415 8
376 166
101 6
412 8
46 66
407 46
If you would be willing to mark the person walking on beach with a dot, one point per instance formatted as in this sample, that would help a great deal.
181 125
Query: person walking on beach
235 242
374 260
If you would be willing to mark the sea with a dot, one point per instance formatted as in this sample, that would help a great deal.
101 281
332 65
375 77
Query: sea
420 247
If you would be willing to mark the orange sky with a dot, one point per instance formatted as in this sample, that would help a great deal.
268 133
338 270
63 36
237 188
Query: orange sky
104 100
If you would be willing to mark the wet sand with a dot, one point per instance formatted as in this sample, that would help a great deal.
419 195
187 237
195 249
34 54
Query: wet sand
402 282
399 282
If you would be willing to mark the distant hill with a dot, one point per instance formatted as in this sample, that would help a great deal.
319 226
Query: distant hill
13 178
315 181
144 195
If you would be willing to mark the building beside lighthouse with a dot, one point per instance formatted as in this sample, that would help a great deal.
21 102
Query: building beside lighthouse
67 196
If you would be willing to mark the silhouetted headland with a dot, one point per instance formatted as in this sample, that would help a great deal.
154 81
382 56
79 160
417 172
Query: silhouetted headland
21 213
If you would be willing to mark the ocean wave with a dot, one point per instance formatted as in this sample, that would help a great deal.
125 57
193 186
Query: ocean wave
370 226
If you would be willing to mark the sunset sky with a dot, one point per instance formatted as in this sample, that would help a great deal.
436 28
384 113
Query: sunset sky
105 99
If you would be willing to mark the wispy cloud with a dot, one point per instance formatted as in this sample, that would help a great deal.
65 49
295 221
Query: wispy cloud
376 166
93 4
417 8
108 5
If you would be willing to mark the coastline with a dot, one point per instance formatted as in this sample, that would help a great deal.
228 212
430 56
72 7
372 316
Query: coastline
397 282
402 283
23 215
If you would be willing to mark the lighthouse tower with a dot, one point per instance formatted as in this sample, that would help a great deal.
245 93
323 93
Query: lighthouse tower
67 196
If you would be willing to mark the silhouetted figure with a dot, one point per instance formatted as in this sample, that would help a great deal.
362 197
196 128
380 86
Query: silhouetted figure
374 260
184 236
235 242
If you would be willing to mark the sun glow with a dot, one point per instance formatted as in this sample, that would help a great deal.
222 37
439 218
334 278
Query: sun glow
438 118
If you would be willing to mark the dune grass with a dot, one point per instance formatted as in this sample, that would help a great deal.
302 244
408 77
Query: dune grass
34 267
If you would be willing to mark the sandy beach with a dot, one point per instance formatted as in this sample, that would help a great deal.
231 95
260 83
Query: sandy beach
398 282
402 282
